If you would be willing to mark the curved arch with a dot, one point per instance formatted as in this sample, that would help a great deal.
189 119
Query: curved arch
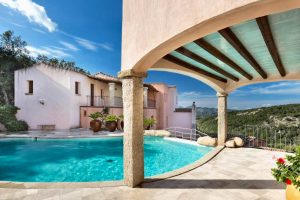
214 19
164 65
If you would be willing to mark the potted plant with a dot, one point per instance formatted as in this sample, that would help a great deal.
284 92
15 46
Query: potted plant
288 171
121 122
149 122
95 123
111 122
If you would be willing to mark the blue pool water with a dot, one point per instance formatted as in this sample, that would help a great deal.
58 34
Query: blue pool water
85 160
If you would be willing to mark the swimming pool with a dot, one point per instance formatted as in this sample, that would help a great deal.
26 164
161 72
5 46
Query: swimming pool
88 159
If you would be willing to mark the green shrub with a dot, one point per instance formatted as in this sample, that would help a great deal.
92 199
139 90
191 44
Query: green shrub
111 118
9 120
95 115
149 121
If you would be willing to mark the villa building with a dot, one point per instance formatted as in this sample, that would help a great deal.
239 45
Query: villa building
53 97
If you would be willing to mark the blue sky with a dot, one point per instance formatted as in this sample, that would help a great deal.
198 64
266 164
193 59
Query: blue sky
89 33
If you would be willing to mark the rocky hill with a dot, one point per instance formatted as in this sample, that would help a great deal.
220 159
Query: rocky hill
282 116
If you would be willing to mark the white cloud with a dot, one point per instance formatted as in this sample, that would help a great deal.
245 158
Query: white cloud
281 88
16 24
39 30
50 52
69 46
88 44
186 99
202 100
34 12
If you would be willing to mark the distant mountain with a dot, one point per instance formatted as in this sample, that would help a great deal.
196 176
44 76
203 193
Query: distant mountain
203 112
275 116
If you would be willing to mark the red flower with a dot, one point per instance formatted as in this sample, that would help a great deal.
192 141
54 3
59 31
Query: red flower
281 160
288 181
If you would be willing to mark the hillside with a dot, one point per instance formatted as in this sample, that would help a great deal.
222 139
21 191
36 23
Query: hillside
203 112
276 116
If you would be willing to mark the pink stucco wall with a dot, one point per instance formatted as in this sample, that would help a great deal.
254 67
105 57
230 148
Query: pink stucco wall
86 111
166 104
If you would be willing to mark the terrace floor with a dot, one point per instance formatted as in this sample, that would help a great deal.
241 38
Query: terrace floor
234 174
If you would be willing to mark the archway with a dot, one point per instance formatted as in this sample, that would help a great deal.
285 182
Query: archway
219 47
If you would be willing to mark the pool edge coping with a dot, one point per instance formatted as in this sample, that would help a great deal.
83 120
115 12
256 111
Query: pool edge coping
64 185
198 163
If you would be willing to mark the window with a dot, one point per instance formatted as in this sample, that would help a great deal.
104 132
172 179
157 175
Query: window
76 87
30 87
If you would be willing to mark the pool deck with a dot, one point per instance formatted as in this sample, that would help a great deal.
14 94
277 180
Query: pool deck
234 174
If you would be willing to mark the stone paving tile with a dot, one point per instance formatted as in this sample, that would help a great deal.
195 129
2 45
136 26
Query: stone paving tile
234 174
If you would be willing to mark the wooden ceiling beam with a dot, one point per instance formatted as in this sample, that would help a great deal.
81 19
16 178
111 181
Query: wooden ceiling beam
215 52
205 62
241 49
264 26
189 66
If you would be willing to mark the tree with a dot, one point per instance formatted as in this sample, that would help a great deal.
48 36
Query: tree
13 56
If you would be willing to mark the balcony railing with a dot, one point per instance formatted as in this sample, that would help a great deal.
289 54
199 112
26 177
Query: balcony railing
151 103
104 101
272 138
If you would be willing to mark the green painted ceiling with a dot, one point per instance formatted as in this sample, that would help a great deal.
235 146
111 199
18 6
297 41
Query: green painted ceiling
285 28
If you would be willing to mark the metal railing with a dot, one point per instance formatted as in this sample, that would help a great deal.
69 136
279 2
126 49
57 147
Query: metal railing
151 103
272 138
118 102
104 101
185 133
266 137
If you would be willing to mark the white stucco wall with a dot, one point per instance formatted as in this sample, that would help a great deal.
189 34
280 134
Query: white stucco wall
57 88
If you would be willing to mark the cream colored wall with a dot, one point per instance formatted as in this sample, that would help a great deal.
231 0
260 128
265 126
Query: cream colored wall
56 88
152 29
51 87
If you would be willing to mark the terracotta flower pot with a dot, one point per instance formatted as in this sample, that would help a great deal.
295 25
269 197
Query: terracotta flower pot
95 125
111 126
292 192
122 124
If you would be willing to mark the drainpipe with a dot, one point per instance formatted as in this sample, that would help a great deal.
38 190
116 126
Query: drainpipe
111 89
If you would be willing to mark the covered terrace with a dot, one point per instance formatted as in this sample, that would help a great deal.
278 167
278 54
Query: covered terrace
225 45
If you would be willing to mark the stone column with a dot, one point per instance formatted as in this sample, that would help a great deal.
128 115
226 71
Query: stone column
111 96
222 118
145 97
194 115
132 86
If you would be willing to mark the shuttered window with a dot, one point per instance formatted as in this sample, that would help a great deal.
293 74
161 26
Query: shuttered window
30 87
76 87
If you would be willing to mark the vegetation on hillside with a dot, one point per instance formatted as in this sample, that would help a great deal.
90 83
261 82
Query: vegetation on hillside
281 117
13 56
9 120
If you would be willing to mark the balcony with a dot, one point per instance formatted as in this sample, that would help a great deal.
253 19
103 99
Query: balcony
151 103
104 101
